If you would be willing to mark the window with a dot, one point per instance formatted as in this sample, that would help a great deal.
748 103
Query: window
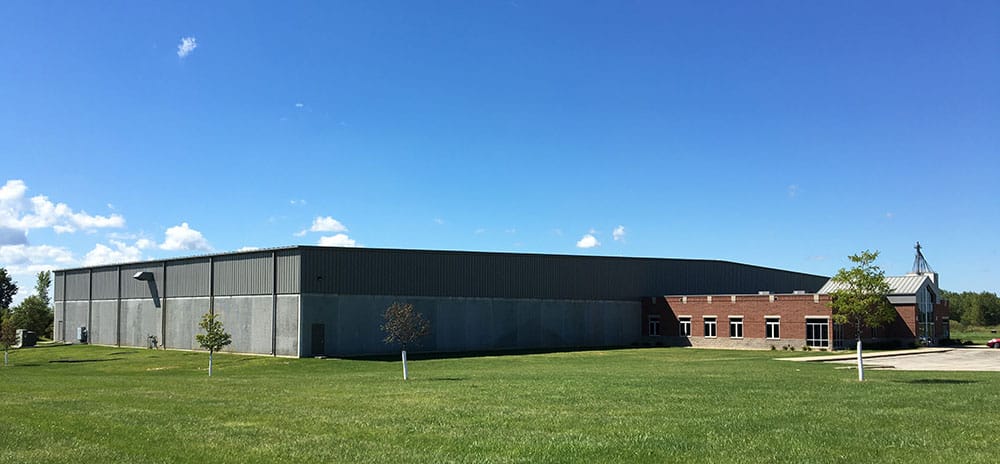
735 327
654 326
817 332
773 325
685 326
710 327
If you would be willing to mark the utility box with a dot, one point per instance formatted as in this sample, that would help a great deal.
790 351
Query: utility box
25 338
81 334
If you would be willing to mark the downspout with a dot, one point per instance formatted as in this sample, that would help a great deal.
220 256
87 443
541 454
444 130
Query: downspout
274 303
118 317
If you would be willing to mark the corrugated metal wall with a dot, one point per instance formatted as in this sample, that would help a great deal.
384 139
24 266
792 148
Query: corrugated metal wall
78 285
244 274
132 288
105 283
289 267
360 271
188 278
57 281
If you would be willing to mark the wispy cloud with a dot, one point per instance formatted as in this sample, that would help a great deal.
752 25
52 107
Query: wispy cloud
248 248
183 237
793 191
588 241
297 202
299 105
439 221
338 240
479 231
619 233
890 215
187 45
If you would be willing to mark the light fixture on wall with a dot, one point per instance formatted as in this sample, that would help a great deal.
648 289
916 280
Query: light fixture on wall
144 275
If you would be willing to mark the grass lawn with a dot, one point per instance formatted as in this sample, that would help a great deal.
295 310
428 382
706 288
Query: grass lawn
99 404
978 335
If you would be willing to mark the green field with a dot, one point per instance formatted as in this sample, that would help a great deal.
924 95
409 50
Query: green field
98 404
975 334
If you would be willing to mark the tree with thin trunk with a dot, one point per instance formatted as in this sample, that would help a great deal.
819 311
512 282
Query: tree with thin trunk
42 287
214 338
405 326
8 334
862 300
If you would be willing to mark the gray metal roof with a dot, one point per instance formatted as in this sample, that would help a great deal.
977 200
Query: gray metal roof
900 285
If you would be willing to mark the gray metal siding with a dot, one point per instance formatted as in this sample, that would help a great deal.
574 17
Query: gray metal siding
105 283
58 282
289 266
132 288
78 285
188 278
501 275
243 274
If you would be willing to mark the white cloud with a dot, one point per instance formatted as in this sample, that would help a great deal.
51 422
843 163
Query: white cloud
299 105
890 215
301 233
249 248
188 44
439 221
339 240
327 224
297 202
588 241
144 243
619 234
793 191
25 259
479 231
183 237
103 254
38 212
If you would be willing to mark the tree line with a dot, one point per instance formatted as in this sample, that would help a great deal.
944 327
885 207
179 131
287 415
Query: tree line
34 313
973 308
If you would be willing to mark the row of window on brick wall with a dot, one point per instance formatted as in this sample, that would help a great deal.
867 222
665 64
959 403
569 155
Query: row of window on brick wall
816 329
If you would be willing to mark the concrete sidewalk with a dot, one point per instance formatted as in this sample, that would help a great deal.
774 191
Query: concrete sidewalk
867 355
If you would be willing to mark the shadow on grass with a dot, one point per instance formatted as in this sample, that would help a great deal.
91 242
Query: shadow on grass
446 379
937 381
416 356
73 361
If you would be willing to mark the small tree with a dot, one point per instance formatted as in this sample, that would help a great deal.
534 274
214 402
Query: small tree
405 326
42 287
862 301
214 338
32 314
8 334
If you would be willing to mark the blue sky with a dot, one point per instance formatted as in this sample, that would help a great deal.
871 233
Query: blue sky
782 134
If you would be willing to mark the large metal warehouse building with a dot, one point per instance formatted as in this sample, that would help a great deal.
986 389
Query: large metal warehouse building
308 301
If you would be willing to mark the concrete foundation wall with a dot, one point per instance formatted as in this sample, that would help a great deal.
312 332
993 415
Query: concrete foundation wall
183 317
351 323
75 316
287 340
103 323
249 320
140 319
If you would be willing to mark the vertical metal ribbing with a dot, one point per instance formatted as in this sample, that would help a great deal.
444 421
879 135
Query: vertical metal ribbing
211 285
118 318
163 310
90 303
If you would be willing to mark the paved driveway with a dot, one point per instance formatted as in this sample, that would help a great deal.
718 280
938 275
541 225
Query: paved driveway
958 359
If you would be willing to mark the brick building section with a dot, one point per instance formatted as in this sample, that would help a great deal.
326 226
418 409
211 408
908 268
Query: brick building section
792 310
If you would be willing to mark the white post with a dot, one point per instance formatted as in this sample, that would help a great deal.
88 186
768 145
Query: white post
404 365
861 365
209 363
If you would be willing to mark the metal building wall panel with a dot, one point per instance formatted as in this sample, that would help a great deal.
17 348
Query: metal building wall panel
289 267
78 285
362 271
245 274
189 278
57 281
105 283
132 288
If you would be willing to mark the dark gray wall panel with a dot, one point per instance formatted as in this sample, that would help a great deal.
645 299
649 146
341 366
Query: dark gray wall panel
365 271
289 267
244 274
188 278
132 288
58 285
105 283
77 285
352 323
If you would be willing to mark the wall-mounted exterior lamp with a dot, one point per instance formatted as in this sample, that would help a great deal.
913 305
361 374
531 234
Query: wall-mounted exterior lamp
147 276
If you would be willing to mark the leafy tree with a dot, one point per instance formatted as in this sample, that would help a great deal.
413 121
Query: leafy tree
973 309
34 315
214 338
862 299
42 287
8 335
7 289
405 326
